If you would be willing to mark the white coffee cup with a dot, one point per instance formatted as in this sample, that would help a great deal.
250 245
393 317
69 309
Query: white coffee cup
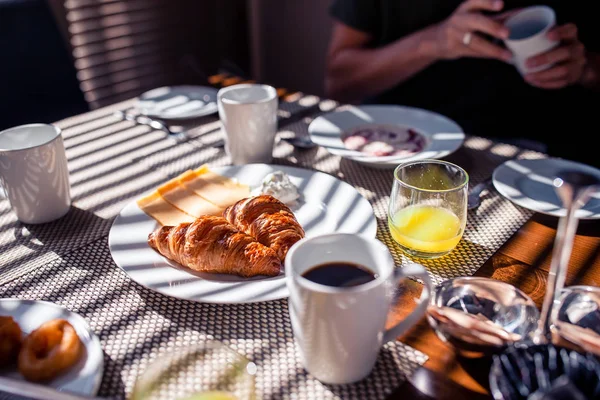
340 330
528 35
248 114
34 173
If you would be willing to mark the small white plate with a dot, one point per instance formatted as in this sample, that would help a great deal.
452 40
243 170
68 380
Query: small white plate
327 204
83 378
179 102
443 135
528 183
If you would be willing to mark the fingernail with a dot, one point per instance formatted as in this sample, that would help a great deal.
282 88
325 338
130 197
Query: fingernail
552 35
504 33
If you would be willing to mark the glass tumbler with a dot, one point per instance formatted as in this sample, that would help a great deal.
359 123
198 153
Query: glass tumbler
427 212
207 371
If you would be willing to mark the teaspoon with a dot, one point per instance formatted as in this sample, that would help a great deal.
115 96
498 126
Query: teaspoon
474 198
302 142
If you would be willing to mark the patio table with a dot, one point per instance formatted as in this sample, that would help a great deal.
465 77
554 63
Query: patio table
112 162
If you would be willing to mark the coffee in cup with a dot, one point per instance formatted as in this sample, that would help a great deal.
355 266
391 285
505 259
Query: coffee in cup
341 290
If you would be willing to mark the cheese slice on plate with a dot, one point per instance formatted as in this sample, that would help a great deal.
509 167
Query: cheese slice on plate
186 200
217 189
162 211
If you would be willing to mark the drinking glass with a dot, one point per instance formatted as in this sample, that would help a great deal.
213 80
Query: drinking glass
428 207
576 318
207 371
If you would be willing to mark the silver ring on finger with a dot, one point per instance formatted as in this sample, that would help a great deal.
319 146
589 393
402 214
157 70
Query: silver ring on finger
467 38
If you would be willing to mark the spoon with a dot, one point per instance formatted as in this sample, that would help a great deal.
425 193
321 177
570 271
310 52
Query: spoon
302 142
474 198
144 120
574 189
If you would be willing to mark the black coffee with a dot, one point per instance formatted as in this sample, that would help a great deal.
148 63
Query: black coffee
339 274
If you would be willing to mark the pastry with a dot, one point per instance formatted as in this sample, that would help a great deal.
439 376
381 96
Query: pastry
211 244
268 220
10 340
49 351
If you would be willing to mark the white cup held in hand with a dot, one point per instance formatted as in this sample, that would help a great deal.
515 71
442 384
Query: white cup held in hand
528 35
34 173
340 330
248 114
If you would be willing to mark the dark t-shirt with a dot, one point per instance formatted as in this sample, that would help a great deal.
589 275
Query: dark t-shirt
486 97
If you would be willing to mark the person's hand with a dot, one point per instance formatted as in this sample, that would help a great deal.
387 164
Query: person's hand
569 60
461 34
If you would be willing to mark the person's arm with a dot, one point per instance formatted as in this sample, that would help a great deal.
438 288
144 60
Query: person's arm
355 71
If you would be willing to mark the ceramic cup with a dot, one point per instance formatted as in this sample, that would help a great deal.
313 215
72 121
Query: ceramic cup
528 35
33 172
248 114
340 330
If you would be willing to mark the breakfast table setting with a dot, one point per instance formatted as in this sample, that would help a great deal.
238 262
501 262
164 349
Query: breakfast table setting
110 250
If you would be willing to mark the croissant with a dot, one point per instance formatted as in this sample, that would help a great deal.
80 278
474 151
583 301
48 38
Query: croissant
211 244
268 220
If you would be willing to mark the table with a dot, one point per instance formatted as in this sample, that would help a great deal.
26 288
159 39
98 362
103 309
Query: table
522 259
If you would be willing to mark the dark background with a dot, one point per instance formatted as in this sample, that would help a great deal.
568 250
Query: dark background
63 58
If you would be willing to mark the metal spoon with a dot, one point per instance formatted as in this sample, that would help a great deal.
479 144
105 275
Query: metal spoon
302 142
474 198
574 189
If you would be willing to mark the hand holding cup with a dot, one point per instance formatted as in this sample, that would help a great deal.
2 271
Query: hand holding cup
567 60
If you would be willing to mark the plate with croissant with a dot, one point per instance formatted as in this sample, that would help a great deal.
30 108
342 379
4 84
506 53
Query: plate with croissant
46 344
221 234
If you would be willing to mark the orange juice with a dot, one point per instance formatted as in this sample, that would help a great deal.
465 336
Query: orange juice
426 229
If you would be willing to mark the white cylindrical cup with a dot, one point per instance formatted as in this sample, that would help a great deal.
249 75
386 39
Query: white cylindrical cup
248 114
528 36
34 173
340 330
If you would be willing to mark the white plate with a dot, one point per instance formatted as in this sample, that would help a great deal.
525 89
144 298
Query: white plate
528 183
327 204
179 102
84 377
444 136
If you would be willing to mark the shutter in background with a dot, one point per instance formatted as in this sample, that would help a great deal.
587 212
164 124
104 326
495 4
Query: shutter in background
121 48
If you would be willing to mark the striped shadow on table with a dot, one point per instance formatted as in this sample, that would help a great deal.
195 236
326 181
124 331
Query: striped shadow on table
135 325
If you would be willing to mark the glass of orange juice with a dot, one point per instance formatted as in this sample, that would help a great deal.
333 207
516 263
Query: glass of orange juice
206 371
427 213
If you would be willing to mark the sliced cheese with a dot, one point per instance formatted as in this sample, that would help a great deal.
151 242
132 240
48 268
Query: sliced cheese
162 211
187 200
217 189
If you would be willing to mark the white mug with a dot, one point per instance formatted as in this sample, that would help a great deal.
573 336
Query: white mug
248 114
34 173
340 330
528 36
